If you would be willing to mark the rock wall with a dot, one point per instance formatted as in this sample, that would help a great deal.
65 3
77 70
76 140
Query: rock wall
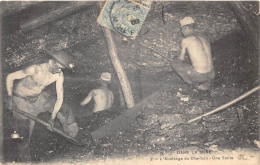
161 32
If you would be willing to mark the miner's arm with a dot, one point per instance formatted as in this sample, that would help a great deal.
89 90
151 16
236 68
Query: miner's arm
20 74
59 91
183 50
87 99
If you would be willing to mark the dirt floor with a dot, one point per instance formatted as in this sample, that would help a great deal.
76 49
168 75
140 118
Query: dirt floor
154 130
157 129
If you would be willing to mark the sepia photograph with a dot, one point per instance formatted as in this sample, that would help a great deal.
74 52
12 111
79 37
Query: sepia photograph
129 82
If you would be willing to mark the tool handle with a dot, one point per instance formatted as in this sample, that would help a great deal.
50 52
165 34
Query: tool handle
32 117
161 55
226 105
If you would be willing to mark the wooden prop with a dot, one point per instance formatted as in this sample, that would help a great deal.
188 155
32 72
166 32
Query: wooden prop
124 82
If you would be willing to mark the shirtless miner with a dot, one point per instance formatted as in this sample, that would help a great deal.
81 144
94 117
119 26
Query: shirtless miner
28 95
103 97
201 73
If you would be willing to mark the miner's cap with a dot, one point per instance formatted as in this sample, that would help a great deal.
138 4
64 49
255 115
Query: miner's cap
63 58
187 21
106 76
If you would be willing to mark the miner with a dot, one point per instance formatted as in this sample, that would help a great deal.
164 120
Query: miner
28 95
200 73
102 96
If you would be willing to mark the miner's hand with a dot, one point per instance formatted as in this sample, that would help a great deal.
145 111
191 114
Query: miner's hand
10 102
51 124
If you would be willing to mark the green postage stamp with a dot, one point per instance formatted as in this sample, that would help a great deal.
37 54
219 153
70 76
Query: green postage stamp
124 16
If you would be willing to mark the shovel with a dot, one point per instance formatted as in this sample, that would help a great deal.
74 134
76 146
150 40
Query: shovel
77 140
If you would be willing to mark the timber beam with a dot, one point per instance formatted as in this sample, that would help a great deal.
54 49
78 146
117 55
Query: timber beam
55 14
128 117
8 8
247 21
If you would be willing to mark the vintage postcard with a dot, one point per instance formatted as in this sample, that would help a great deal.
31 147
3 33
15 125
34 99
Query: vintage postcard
130 82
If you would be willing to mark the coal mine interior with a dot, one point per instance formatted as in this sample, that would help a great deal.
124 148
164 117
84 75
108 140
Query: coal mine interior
162 99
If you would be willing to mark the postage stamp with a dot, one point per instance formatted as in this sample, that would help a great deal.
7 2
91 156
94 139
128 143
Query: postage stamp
124 16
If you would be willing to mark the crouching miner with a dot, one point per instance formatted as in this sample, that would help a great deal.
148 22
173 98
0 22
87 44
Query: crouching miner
28 95
201 71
